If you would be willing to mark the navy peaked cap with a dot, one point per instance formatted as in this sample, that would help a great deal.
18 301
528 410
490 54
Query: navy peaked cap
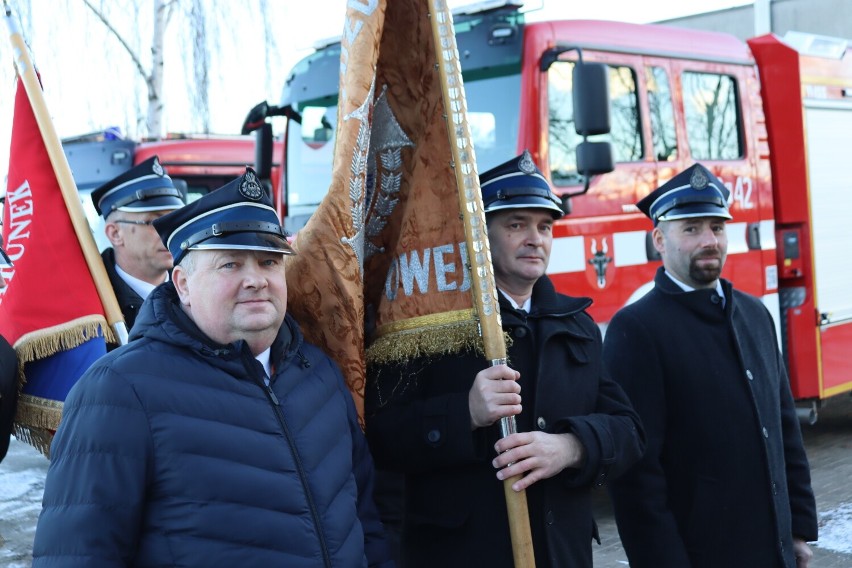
237 216
694 192
518 184
144 187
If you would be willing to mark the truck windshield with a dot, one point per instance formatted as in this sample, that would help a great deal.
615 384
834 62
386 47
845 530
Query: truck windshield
492 86
492 115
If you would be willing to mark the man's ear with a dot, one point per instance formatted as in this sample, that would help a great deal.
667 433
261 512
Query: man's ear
114 234
181 281
659 239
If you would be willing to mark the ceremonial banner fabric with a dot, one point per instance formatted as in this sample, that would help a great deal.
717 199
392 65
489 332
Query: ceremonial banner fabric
50 311
381 272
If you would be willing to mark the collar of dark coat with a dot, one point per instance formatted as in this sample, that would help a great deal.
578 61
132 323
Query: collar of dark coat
546 303
162 318
667 286
124 294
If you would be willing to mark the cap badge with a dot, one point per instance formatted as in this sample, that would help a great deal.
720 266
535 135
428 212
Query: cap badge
157 168
250 187
526 164
699 179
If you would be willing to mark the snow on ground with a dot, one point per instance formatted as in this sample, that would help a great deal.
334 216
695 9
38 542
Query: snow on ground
835 529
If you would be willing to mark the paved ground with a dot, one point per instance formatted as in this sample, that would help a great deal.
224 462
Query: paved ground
828 443
829 448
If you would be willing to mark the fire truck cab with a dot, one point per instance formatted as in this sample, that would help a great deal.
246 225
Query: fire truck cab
197 164
766 117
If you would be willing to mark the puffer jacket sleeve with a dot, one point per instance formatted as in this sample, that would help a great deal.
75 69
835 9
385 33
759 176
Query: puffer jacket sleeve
376 546
96 482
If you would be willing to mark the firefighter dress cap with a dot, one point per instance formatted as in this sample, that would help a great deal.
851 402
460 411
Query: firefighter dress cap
694 192
237 216
518 184
144 187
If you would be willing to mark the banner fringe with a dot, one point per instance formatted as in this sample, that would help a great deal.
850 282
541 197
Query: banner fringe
38 412
43 343
39 438
420 342
428 336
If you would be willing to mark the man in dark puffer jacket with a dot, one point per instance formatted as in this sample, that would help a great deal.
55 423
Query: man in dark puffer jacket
216 437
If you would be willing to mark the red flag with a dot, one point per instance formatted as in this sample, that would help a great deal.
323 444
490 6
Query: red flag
51 304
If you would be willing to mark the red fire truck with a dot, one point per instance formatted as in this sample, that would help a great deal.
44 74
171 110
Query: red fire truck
198 164
768 117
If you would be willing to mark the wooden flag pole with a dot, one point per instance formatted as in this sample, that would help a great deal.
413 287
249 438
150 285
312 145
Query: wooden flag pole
483 288
26 71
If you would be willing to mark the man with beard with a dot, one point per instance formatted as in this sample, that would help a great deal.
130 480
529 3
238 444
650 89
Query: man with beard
724 480
137 261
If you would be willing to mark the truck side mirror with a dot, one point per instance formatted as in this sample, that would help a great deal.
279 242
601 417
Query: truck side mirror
591 98
263 151
594 158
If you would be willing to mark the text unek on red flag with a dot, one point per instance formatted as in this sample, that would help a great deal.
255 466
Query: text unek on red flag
50 311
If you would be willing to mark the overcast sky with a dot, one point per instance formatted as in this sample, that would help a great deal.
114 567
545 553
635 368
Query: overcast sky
90 85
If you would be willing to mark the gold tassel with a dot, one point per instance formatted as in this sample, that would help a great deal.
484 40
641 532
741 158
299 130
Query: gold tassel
43 343
38 412
423 341
38 438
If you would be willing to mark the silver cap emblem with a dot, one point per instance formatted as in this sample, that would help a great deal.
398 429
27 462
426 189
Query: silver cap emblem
526 163
699 179
250 187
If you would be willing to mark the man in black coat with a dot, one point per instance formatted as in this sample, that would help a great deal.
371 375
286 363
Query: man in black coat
436 419
724 480
8 376
137 261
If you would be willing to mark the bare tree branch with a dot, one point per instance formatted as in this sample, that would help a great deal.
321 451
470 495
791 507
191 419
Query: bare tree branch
120 39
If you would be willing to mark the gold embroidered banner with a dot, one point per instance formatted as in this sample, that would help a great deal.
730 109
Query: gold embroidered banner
381 266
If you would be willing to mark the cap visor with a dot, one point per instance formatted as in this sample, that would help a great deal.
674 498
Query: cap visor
247 241
162 203
696 210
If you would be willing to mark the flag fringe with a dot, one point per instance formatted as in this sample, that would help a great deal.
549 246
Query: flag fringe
36 420
38 412
43 343
425 336
420 342
38 438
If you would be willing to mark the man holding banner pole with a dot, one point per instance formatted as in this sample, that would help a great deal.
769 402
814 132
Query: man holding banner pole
434 418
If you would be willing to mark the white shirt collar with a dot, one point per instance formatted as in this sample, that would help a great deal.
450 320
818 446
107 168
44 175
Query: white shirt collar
263 359
526 307
688 288
139 286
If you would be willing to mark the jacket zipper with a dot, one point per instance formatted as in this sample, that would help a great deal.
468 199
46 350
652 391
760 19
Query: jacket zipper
276 406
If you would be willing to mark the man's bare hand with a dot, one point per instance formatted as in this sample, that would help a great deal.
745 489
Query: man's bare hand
803 553
536 455
495 394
